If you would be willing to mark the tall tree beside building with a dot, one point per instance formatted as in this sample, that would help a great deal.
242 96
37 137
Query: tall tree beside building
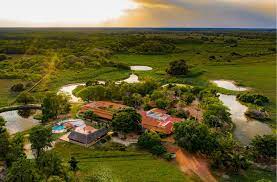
53 105
126 121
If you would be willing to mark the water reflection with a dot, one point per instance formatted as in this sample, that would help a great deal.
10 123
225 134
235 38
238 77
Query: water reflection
17 123
245 128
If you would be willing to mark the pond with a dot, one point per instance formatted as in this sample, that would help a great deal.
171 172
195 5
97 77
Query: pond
229 85
141 68
67 89
132 79
245 128
17 123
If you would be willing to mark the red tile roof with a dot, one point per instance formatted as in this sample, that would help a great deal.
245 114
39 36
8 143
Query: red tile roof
103 109
158 120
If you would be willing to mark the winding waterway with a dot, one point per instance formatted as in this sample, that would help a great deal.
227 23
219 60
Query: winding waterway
229 85
68 89
245 128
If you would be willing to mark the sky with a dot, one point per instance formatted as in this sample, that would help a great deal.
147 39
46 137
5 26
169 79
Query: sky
138 13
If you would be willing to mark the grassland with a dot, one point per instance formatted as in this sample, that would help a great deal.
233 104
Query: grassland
251 63
252 175
122 166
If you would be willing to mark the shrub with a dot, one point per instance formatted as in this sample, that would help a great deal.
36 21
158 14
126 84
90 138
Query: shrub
158 150
264 146
178 67
152 142
168 156
3 57
25 98
162 103
257 99
19 87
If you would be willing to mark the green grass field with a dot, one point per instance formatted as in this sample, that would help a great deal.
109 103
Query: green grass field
134 165
252 175
258 73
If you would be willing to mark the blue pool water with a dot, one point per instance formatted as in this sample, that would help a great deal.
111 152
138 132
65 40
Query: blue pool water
57 128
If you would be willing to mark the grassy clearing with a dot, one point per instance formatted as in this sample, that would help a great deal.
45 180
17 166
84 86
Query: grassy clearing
252 175
259 73
5 95
120 165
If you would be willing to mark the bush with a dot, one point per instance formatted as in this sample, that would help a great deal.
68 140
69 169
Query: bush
178 67
152 142
19 87
158 150
256 99
168 156
162 103
3 57
25 98
149 139
264 146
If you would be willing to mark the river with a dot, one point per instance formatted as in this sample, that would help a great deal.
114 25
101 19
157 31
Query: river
245 128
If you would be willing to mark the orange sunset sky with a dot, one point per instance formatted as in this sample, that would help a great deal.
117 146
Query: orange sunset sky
138 13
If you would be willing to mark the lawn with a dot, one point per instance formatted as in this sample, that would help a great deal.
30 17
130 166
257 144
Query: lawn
131 165
5 95
252 175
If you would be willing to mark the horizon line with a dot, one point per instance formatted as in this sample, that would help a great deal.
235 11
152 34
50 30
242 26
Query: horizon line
111 27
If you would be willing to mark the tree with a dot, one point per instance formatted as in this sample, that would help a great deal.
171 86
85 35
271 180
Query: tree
4 139
96 92
89 114
188 98
16 149
217 115
53 105
73 164
232 42
40 138
151 141
25 98
162 103
178 67
229 155
19 87
49 164
22 170
135 100
264 146
126 121
194 137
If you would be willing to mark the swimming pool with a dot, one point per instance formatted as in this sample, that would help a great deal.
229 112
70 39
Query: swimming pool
58 129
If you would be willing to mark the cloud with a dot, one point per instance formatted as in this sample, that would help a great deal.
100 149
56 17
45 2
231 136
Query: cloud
200 13
185 13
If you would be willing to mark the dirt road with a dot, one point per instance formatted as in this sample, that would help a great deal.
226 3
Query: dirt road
192 164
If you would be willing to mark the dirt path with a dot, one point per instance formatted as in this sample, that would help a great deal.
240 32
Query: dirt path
192 164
